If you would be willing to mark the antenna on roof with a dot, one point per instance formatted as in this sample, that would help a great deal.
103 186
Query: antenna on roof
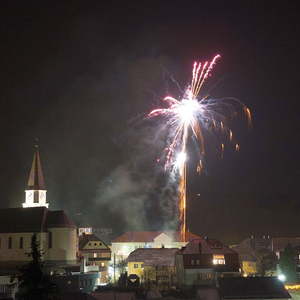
36 143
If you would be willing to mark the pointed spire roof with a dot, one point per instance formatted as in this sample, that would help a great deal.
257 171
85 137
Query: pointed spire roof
36 179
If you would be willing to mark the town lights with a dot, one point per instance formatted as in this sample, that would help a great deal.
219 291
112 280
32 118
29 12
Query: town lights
282 277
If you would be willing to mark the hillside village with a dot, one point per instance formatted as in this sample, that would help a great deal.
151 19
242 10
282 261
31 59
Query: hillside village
78 260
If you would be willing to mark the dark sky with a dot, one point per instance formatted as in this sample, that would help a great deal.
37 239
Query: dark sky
80 76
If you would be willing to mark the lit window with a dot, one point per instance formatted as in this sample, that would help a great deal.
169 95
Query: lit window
192 262
218 259
135 266
102 264
198 261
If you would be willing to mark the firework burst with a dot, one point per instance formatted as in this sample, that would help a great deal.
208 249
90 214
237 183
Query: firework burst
188 117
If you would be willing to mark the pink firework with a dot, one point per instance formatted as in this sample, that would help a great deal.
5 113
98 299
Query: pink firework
190 116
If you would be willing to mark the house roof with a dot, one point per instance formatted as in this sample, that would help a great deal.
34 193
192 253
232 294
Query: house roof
149 236
252 288
281 242
86 238
154 256
206 246
245 252
32 219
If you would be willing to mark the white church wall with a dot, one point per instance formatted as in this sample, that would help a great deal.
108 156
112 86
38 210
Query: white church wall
64 245
16 252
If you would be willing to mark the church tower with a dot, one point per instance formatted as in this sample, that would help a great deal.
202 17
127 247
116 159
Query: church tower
35 194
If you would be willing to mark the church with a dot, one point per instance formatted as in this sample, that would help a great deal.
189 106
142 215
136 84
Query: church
56 233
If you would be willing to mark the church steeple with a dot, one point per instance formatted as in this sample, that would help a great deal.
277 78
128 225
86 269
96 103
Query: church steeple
35 194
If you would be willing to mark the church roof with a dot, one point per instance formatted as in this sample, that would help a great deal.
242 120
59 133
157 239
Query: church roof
36 178
32 219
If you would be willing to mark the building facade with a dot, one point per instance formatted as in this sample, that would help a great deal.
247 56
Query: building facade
95 255
255 255
153 266
202 261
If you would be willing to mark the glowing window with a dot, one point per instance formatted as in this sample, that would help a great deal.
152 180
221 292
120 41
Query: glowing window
218 259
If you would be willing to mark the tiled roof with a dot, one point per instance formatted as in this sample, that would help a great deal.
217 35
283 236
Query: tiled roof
252 288
149 236
33 219
137 236
178 238
281 242
154 256
86 238
206 246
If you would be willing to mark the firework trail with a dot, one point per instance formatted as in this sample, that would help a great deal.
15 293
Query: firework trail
189 117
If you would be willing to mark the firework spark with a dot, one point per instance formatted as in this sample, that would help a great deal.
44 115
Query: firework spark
189 117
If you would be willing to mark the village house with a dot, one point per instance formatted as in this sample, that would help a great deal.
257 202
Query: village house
202 261
153 266
254 253
95 256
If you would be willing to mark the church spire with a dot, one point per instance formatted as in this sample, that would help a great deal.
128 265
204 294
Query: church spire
35 194
36 178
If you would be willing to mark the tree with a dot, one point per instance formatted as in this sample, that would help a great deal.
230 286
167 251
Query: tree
287 263
33 283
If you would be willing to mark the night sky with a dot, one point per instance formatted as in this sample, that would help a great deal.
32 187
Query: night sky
81 76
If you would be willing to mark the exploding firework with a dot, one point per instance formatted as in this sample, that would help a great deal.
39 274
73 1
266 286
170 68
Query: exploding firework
189 117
